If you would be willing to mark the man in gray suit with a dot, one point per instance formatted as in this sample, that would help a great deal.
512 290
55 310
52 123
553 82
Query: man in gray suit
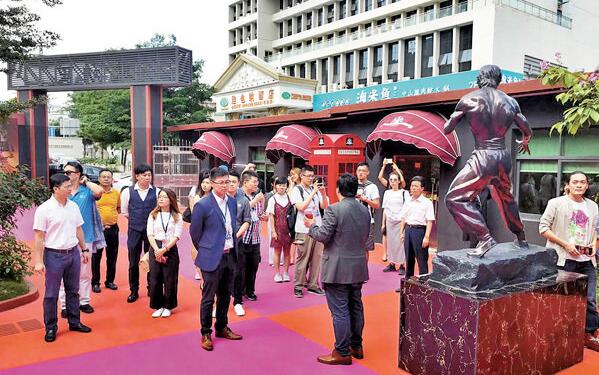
344 232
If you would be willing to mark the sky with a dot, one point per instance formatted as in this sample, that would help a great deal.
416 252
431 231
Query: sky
96 25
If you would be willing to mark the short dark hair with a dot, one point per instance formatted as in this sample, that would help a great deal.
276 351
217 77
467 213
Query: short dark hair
234 173
578 172
58 179
217 172
489 76
280 180
307 168
418 179
76 165
143 168
247 175
363 164
347 185
105 170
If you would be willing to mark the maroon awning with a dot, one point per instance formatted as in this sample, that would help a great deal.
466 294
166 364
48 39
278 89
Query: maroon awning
214 143
419 128
293 139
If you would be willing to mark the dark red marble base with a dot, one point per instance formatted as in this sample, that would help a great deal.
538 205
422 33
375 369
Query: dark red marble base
536 328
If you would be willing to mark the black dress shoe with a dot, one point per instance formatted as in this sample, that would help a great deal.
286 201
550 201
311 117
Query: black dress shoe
96 289
251 297
50 335
88 309
63 313
79 327
111 286
132 297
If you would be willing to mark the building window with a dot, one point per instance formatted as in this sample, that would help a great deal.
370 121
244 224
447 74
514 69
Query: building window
331 13
409 68
428 13
462 6
410 18
380 3
320 15
298 24
281 32
445 51
465 56
445 8
313 70
377 64
309 21
349 70
343 9
289 27
324 71
292 71
302 70
543 175
393 60
367 5
426 58
363 66
353 9
264 168
336 68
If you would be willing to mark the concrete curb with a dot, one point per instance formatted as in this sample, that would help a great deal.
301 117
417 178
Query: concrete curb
20 300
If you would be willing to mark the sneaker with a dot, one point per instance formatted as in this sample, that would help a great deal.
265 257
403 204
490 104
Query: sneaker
278 278
239 310
390 268
214 312
286 277
402 270
157 313
317 291
166 313
251 296
298 293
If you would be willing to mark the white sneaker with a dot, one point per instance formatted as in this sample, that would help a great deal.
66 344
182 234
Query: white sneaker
166 313
278 278
214 312
157 313
197 276
286 277
239 309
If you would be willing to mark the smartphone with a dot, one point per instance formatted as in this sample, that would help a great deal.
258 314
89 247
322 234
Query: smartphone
387 161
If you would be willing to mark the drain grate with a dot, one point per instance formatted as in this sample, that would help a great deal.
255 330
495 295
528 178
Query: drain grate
8 329
30 325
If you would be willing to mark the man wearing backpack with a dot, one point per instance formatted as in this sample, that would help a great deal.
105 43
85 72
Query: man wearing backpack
368 194
307 197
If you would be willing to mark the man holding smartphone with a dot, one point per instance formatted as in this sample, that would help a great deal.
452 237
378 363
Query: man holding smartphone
308 196
369 195
568 224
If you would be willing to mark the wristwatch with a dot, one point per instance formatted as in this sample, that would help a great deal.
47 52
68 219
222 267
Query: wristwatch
85 251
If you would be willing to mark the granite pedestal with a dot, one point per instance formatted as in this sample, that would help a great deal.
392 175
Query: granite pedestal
528 328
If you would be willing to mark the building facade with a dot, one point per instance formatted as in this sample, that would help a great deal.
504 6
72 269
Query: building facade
355 43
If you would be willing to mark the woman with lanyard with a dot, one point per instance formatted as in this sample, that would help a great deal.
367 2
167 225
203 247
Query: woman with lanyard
165 225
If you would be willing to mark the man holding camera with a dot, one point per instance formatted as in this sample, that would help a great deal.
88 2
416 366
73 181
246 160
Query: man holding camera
369 195
308 196
569 225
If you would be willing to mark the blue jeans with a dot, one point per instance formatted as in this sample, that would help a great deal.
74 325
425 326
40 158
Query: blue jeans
61 266
345 303
587 268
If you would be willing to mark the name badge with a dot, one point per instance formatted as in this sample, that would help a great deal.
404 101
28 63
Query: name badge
229 235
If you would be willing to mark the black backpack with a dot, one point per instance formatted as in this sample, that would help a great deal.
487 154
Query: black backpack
291 215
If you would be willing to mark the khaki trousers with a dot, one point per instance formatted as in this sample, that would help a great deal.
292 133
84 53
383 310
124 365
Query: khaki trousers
309 259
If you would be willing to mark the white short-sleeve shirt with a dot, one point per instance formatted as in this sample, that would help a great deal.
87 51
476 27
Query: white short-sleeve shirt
393 202
418 211
280 199
59 223
314 206
371 192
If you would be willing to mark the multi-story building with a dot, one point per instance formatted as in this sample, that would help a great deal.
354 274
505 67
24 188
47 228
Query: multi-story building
351 43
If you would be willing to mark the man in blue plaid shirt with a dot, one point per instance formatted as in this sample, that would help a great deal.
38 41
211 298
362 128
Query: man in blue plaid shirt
248 257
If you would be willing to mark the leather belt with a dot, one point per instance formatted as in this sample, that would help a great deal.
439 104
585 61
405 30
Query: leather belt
416 226
584 250
63 251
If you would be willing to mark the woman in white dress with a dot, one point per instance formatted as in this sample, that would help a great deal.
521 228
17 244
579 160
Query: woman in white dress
393 200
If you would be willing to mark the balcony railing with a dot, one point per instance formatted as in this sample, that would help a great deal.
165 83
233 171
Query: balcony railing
537 11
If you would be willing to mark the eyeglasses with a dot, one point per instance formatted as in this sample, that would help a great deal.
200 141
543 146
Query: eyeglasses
310 176
68 173
220 182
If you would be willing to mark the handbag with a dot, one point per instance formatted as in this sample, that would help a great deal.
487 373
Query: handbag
186 215
144 262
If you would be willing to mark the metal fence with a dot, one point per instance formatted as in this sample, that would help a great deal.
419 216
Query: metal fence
176 168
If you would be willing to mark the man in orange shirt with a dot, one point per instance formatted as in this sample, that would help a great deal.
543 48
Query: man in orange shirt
109 206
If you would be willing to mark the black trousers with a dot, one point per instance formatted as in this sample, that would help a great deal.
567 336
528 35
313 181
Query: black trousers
347 310
135 241
164 279
111 234
415 251
248 259
217 283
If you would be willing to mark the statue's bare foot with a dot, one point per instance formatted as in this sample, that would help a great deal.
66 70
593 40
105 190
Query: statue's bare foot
482 247
521 243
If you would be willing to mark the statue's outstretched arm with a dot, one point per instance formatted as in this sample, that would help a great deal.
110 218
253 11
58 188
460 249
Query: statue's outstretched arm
524 127
453 121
